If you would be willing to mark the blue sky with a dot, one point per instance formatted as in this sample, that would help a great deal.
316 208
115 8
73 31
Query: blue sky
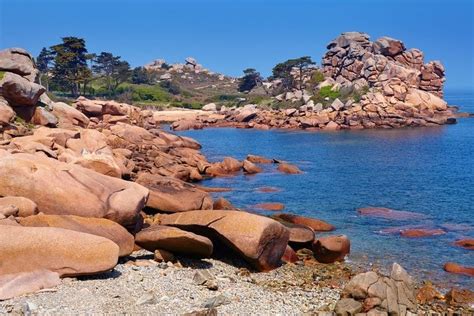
228 36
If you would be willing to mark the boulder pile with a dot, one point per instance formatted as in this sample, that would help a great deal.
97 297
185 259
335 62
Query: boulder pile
376 294
84 184
395 89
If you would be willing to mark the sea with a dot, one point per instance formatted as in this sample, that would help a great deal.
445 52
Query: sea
426 170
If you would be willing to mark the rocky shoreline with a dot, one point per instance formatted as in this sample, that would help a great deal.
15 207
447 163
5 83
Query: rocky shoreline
99 209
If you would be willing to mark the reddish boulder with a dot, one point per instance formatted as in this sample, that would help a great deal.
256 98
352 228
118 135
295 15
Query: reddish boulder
313 223
223 204
465 243
258 159
250 167
427 294
288 168
270 206
94 226
387 213
174 240
67 252
268 189
421 232
168 194
289 256
63 189
259 240
452 267
331 248
460 297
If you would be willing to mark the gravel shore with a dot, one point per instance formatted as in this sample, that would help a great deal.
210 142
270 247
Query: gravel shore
143 286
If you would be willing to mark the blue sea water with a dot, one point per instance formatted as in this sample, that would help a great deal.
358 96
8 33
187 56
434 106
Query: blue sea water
425 170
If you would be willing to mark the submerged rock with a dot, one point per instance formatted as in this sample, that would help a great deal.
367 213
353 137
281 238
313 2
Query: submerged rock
455 268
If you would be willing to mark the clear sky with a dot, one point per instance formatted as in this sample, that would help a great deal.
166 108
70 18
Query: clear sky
228 36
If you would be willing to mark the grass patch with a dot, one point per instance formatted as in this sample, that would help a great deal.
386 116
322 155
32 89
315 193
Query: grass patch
2 74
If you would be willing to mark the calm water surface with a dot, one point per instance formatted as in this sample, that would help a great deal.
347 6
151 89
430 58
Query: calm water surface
425 170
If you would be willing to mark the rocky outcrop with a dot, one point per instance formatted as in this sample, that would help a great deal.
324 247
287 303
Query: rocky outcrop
67 252
259 240
353 57
376 294
62 189
18 61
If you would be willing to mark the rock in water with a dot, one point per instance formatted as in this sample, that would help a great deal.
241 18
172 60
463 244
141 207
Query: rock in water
259 240
62 189
17 284
67 252
174 240
94 226
287 168
331 248
313 223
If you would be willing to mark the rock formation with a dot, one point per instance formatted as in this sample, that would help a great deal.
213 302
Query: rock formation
353 58
376 294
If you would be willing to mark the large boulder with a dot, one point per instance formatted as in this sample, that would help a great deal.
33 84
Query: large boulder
63 189
94 226
172 195
331 248
259 240
67 252
19 91
388 46
18 61
174 240
69 116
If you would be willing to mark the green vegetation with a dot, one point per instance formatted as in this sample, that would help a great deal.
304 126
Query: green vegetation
2 74
316 78
145 93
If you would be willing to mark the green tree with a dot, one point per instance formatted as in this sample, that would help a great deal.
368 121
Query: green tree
43 63
250 79
70 64
283 71
113 70
140 76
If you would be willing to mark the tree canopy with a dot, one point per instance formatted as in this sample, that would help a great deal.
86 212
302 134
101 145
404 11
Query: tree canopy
283 71
250 79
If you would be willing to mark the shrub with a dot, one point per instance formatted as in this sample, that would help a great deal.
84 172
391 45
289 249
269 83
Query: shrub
316 78
2 74
326 92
